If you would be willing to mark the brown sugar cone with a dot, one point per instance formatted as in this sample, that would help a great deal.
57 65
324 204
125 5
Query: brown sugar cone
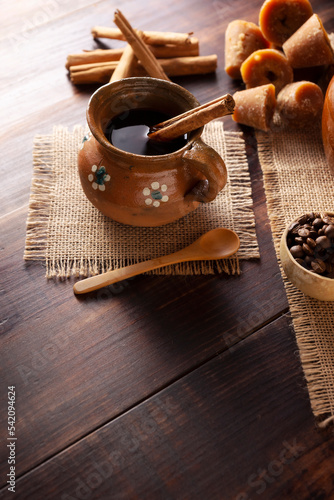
241 39
300 104
255 107
266 66
279 19
309 45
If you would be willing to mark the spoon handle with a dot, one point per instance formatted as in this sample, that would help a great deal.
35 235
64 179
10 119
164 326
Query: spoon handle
110 277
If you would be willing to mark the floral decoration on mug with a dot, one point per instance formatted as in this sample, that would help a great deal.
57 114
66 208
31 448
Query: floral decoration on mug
99 177
154 194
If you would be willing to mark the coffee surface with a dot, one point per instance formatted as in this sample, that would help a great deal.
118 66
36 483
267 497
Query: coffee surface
128 132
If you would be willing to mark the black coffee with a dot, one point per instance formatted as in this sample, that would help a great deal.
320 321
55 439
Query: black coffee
128 131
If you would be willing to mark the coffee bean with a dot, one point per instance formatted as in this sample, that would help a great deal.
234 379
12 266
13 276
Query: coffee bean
317 223
323 242
292 226
299 240
307 249
329 231
303 232
328 219
318 266
303 219
311 243
313 234
297 251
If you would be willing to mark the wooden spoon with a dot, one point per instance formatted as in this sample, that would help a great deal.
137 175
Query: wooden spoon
218 243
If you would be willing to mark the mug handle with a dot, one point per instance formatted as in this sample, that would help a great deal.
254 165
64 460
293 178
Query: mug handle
205 159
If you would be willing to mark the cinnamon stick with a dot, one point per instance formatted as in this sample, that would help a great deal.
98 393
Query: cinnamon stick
94 56
101 72
192 119
149 37
186 113
112 65
169 50
93 75
141 50
125 64
107 55
181 66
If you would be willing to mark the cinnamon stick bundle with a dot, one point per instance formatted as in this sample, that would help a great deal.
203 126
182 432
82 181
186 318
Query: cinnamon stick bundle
141 50
153 53
149 37
180 66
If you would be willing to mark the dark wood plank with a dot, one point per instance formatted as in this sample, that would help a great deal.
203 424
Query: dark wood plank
239 427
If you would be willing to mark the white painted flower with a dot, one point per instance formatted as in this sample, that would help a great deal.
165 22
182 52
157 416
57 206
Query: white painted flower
154 194
98 178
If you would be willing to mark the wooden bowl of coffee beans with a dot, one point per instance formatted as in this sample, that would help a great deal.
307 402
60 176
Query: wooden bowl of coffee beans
307 254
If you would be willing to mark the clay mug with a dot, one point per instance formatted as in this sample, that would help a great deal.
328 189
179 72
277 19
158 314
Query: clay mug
146 190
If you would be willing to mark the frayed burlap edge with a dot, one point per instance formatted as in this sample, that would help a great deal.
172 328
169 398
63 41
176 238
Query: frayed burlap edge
58 268
241 193
299 304
41 193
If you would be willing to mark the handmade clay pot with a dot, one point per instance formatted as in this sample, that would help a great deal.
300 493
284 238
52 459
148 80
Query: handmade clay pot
146 190
311 284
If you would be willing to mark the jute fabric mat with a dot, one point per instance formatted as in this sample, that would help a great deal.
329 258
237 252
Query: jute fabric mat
74 238
297 180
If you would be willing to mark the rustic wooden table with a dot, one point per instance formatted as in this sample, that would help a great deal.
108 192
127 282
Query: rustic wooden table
175 387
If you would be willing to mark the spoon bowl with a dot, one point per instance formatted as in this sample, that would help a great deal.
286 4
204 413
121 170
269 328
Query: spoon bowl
219 243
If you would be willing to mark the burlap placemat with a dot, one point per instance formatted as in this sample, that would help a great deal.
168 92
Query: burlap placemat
297 180
74 238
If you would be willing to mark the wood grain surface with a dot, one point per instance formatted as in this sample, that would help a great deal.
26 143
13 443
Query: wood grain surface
161 387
